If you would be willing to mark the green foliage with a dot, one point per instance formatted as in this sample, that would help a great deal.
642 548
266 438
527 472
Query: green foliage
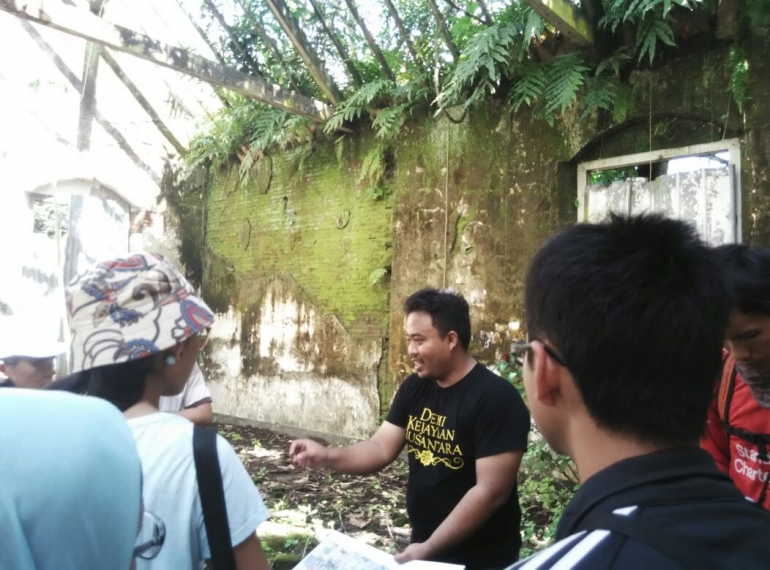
377 276
738 68
373 171
566 75
650 32
361 100
610 175
512 57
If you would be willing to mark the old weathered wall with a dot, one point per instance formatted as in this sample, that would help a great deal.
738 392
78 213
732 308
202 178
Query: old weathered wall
308 341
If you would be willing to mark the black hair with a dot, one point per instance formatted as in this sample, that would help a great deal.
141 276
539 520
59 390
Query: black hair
747 271
448 311
121 384
638 308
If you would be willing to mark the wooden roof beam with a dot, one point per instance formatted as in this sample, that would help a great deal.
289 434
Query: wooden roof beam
143 102
343 53
77 84
370 40
566 17
87 26
297 37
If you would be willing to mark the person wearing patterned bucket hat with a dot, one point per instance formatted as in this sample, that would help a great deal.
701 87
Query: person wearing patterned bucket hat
135 325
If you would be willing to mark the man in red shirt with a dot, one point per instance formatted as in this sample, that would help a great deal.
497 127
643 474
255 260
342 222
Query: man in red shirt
738 428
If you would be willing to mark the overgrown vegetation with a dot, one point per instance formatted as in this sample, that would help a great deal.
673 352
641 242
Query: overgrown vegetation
496 49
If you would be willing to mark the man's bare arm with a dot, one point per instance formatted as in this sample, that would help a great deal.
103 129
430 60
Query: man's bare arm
200 415
495 477
360 458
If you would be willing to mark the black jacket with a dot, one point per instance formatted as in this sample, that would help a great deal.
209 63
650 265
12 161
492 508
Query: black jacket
674 510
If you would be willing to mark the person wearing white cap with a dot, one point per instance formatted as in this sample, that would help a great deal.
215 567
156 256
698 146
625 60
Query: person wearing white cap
26 361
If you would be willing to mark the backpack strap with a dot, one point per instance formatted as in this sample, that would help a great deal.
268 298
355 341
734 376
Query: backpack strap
726 388
212 496
687 553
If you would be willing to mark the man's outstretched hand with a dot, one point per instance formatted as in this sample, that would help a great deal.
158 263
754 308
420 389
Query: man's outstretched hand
415 551
308 454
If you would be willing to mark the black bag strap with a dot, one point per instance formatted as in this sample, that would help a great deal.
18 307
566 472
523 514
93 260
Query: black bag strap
212 496
685 552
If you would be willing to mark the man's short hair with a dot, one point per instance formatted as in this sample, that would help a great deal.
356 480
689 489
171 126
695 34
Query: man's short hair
638 308
747 271
448 311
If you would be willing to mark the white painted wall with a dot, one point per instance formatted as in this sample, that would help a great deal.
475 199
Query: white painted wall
295 384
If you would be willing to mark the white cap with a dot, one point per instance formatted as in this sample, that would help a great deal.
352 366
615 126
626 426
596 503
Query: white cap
17 341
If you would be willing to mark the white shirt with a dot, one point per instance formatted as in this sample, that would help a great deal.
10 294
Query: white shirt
164 442
195 391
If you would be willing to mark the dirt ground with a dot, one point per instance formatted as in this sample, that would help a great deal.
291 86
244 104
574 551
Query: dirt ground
371 508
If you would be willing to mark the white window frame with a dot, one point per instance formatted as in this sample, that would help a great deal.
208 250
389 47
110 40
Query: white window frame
733 146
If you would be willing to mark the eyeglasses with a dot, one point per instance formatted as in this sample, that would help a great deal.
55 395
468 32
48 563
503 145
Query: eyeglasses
152 535
204 336
519 349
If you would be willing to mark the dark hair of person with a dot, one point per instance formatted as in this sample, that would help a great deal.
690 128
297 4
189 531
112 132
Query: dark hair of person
747 271
121 384
638 308
448 311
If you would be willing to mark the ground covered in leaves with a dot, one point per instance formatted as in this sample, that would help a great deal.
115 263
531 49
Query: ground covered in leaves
302 503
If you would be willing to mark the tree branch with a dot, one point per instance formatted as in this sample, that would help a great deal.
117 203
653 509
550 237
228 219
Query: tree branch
370 40
444 30
343 53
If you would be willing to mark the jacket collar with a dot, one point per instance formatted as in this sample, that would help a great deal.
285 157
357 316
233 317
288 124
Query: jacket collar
670 472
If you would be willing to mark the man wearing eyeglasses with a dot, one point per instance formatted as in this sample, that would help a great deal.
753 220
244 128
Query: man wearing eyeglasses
465 431
626 320
738 429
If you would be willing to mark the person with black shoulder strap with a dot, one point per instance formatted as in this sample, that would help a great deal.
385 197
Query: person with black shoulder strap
625 322
738 429
137 327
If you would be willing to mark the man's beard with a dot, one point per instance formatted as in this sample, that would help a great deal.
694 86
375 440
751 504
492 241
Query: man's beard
758 381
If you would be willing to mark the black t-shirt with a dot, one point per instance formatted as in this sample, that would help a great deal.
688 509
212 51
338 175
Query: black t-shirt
6 383
447 429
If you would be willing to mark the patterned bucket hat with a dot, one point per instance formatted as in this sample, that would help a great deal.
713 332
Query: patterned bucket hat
129 308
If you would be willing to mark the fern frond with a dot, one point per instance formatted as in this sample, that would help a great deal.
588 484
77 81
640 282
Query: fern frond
651 30
738 67
388 121
566 74
529 86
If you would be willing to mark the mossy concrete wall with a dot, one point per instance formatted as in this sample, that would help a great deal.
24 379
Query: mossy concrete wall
469 205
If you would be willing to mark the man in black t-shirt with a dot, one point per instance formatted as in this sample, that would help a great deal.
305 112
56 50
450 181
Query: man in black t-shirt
465 430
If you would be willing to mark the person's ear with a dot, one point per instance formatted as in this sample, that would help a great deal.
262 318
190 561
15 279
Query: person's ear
452 339
4 368
546 374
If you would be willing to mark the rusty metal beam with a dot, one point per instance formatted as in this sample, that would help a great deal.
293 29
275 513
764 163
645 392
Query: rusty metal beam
297 37
87 26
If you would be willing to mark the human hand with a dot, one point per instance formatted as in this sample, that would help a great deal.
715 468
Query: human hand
308 454
415 551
